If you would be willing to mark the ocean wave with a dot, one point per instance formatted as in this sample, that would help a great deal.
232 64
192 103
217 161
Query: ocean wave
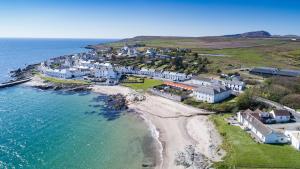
155 134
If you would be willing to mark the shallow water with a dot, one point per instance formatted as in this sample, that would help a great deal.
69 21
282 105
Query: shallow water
46 129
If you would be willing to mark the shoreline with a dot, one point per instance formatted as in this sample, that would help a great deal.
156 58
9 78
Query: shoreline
173 125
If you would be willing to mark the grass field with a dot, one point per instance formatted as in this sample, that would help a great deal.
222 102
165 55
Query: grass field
241 52
64 81
243 152
148 83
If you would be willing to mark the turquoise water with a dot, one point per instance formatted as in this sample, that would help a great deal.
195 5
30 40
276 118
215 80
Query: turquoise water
46 129
16 53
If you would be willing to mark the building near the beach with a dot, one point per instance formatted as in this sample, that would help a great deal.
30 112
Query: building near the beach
294 137
235 85
211 93
251 120
105 72
59 73
281 116
174 76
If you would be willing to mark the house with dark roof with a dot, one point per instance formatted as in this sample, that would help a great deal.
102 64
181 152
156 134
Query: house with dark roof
251 120
281 116
212 93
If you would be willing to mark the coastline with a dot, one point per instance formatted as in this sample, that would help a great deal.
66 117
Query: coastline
172 124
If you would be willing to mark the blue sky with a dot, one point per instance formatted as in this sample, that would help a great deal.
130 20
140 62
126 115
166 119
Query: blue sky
128 18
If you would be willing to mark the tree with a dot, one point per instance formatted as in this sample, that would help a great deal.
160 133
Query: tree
246 100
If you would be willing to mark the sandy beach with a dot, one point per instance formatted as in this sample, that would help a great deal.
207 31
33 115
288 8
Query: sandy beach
178 125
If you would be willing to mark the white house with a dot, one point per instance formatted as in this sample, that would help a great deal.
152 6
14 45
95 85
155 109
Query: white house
128 51
58 73
174 76
151 52
251 120
281 116
106 71
235 85
294 138
211 93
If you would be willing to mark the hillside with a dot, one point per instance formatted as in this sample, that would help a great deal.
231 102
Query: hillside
231 52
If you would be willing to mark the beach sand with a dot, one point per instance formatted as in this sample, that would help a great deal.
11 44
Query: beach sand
176 125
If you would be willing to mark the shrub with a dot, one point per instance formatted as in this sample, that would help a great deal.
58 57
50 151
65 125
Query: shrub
291 100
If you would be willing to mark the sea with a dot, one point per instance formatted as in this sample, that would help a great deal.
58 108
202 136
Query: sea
62 130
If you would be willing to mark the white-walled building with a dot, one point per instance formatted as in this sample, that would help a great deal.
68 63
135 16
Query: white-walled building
251 120
151 52
174 76
235 85
59 73
294 137
211 93
105 72
281 116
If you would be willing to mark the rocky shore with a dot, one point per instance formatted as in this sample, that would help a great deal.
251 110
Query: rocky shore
24 73
178 128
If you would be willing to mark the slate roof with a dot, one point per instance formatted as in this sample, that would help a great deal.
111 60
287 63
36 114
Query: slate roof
251 117
275 71
234 82
212 90
281 113
202 79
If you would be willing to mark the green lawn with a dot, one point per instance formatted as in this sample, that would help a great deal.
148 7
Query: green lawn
243 152
148 83
64 81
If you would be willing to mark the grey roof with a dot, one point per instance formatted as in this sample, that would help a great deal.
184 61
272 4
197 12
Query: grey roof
234 82
281 113
212 90
205 79
276 71
252 117
288 72
266 70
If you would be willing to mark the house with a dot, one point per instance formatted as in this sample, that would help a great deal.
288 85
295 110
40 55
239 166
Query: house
235 85
281 116
294 137
105 71
128 51
212 93
174 76
251 120
58 73
151 52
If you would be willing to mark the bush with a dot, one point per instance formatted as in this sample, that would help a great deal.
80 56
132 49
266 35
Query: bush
291 100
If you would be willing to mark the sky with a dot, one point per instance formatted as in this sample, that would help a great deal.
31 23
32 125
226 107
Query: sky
129 18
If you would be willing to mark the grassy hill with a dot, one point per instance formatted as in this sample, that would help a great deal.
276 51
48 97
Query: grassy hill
237 52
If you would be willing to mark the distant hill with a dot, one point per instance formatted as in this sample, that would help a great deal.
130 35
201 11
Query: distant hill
255 34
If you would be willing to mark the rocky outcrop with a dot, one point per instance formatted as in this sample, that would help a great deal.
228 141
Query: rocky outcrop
255 34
